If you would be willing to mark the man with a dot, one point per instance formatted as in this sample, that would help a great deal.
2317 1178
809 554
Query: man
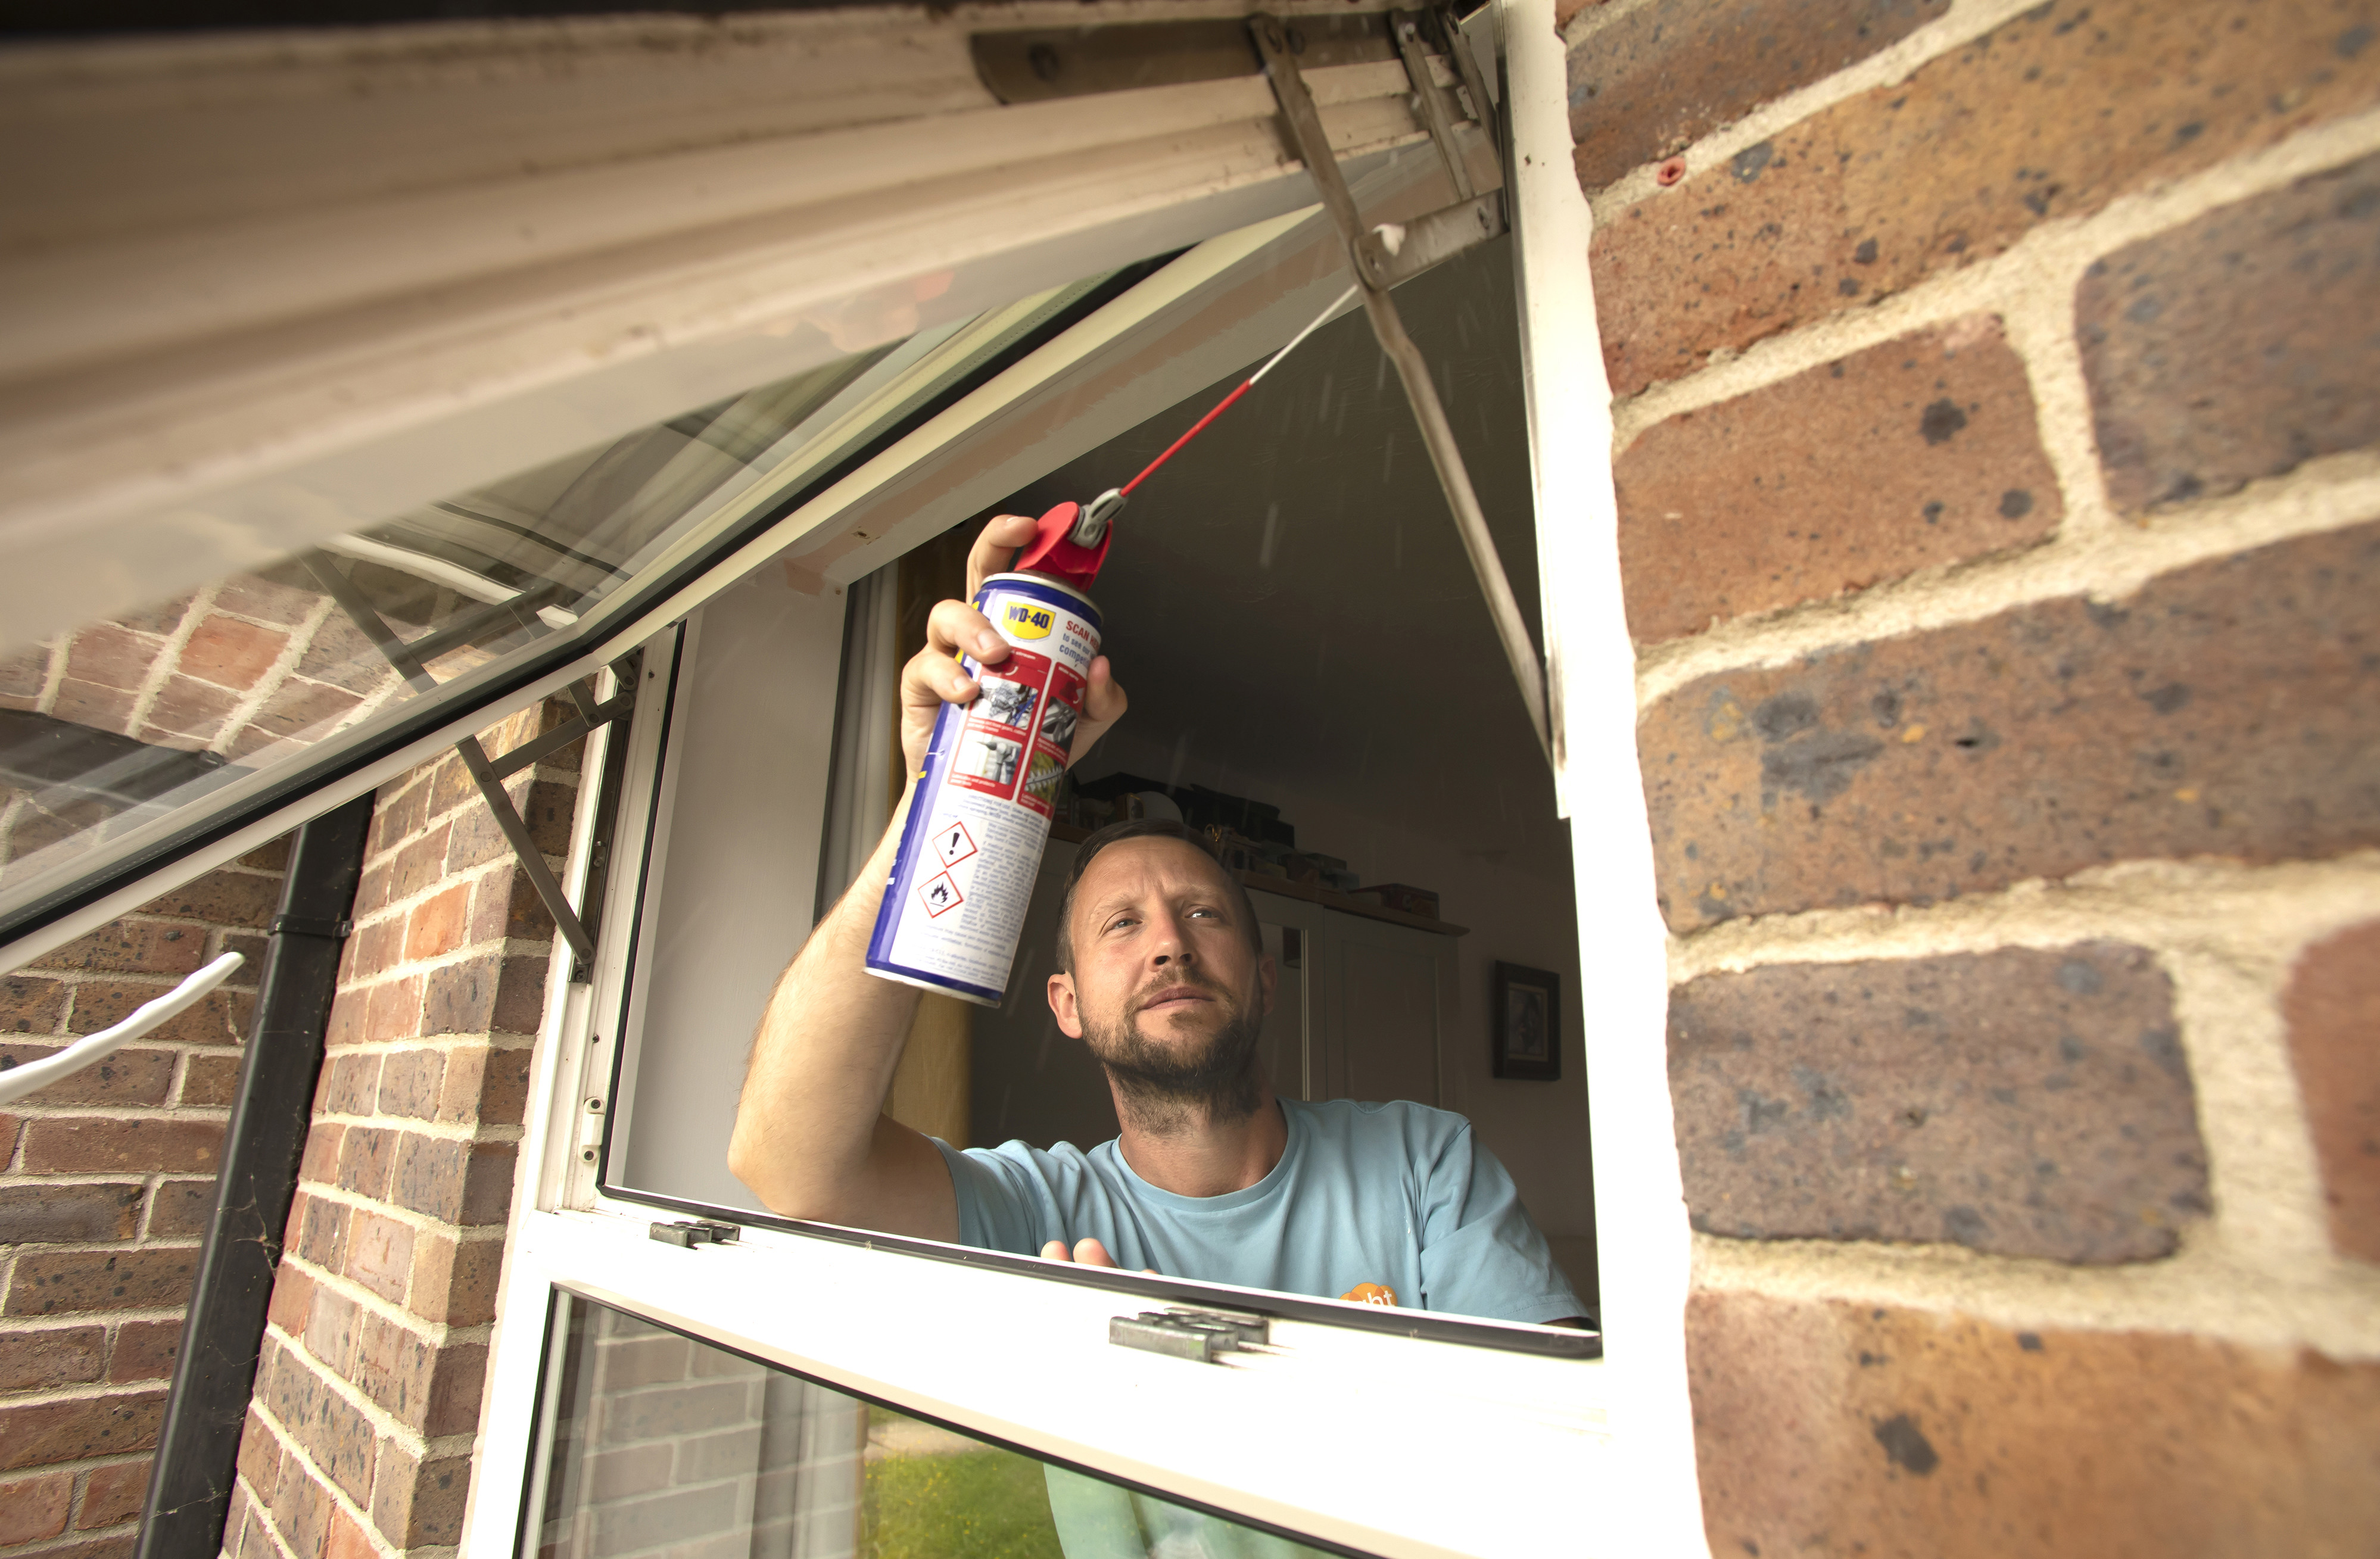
1161 972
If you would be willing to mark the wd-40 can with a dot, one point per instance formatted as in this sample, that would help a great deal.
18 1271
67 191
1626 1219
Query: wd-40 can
972 845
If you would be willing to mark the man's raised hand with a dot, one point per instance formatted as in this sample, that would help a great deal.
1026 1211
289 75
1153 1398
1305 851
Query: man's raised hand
1087 1253
932 677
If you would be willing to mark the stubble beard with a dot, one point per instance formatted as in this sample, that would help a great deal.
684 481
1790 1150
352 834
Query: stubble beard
1165 1089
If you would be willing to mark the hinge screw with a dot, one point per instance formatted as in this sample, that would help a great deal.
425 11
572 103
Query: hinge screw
586 1155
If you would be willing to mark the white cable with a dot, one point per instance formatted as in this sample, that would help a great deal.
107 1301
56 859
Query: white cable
18 1081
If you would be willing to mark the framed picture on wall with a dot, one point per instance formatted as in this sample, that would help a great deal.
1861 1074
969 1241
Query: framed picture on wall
1526 1027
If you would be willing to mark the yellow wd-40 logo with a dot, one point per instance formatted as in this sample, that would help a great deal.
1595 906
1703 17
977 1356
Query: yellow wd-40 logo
1028 622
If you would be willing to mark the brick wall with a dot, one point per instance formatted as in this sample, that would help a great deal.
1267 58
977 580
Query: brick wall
358 1443
106 1183
2000 528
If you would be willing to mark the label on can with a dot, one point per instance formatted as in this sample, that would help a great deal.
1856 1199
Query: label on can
971 848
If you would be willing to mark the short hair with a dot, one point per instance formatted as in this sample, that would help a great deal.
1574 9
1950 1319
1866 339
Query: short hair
1147 827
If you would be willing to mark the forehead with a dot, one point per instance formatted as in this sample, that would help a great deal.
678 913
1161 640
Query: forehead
1151 864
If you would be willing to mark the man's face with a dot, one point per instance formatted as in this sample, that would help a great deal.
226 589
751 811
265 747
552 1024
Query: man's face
1165 980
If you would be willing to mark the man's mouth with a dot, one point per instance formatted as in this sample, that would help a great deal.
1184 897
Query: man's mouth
1173 997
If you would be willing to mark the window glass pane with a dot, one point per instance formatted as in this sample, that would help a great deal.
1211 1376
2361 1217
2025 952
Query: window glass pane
657 1444
121 735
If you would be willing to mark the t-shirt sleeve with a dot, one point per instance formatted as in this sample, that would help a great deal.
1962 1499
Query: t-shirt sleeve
1005 1197
1481 1253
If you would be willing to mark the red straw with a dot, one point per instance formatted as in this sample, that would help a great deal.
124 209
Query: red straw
1195 430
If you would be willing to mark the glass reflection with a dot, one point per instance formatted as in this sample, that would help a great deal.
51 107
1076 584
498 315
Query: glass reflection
664 1446
116 724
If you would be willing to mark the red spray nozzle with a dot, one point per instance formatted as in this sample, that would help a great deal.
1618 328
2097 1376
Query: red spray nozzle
1053 550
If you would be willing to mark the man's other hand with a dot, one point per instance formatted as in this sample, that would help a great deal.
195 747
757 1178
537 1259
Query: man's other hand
932 677
1087 1253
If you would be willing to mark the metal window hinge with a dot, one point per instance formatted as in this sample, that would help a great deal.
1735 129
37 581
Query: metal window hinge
1313 146
687 1235
488 774
1199 1335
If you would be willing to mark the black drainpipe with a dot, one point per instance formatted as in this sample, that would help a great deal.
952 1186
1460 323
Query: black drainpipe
190 1485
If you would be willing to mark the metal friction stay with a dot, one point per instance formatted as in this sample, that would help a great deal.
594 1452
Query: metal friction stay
490 774
1385 255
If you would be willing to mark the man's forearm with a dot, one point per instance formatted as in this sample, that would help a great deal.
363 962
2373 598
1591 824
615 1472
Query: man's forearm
810 1137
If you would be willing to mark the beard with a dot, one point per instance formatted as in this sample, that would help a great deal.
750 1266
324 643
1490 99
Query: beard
1169 1086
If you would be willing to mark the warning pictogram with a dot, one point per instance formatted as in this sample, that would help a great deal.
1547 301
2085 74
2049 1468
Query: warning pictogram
954 843
940 895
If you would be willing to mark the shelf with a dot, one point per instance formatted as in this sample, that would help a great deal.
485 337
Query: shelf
1259 882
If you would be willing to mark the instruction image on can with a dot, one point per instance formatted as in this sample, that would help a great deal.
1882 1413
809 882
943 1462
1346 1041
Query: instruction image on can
972 845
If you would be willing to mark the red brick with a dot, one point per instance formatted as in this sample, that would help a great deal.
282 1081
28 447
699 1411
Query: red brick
396 1011
45 1433
35 1360
505 906
229 653
2050 116
333 1326
301 1511
303 709
1839 1428
399 812
487 995
375 949
186 706
112 1494
181 1209
339 654
364 1156
1920 452
10 1127
69 1282
346 1539
101 708
221 1017
274 857
144 1350
2214 351
380 1254
24 674
455 1283
319 1164
247 946
394 1366
2225 711
2024 1101
126 1077
415 1503
32 1006
35 1508
450 784
161 619
318 1231
120 1547
486 1086
410 1083
463 1183
330 1428
39 1214
74 1145
293 1298
223 897
372 889
268 600
210 1081
1655 79
110 657
2333 1009
350 1086
435 925
132 947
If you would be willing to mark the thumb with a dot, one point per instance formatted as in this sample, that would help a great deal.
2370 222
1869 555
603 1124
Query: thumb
1091 1252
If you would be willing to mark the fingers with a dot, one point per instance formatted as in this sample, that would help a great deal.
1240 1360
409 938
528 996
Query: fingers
1056 1251
1091 1252
1104 705
990 554
933 677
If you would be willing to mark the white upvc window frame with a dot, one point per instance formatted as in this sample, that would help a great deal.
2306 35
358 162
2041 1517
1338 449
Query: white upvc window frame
1385 1445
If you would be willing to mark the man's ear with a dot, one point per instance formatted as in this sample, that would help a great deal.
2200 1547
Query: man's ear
1063 1007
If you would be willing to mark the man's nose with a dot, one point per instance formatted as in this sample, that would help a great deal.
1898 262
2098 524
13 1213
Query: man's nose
1171 943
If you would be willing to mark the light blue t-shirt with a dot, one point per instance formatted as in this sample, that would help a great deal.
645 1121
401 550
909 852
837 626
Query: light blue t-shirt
1398 1194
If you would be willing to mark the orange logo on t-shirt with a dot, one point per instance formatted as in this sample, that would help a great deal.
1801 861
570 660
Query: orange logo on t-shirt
1372 1294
